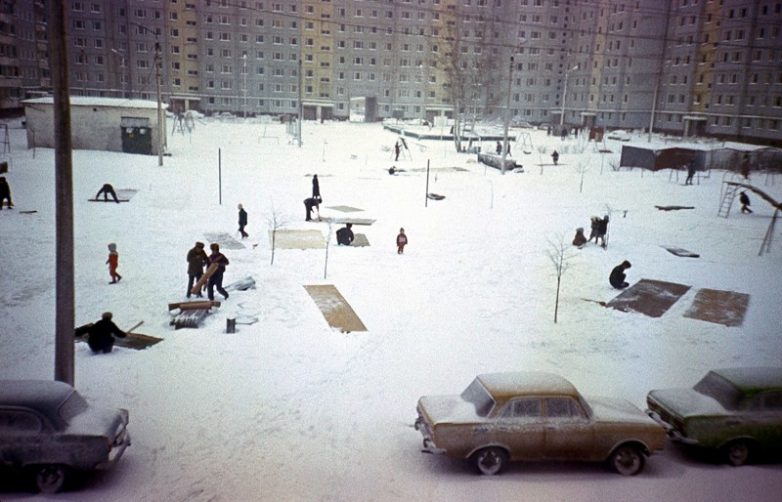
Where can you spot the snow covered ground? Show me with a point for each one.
(290, 409)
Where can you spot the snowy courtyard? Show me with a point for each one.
(289, 408)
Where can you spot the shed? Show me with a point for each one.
(113, 124)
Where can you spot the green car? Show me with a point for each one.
(735, 411)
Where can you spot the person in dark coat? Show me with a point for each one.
(555, 157)
(499, 148)
(196, 260)
(690, 172)
(242, 221)
(397, 149)
(107, 190)
(310, 204)
(602, 230)
(345, 235)
(101, 334)
(216, 279)
(5, 193)
(744, 199)
(315, 187)
(617, 277)
(580, 239)
(401, 241)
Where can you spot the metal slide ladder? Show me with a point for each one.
(728, 194)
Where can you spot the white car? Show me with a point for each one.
(619, 135)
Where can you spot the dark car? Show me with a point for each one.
(734, 411)
(48, 430)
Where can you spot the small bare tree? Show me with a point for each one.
(276, 221)
(559, 253)
(582, 169)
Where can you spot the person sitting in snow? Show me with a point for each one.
(617, 277)
(580, 239)
(101, 334)
(345, 235)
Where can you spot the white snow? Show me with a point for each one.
(290, 409)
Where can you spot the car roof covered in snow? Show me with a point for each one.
(506, 385)
(45, 396)
(750, 380)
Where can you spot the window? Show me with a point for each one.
(562, 407)
(526, 407)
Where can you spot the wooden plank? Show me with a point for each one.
(200, 284)
(336, 310)
(194, 305)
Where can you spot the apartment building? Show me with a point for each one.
(693, 67)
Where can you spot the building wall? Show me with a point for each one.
(92, 127)
(714, 64)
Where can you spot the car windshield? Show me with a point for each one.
(479, 397)
(72, 406)
(719, 389)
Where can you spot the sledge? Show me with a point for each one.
(28, 211)
(435, 196)
(673, 208)
(190, 314)
(109, 200)
(681, 252)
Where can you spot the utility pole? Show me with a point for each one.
(507, 118)
(564, 97)
(244, 70)
(63, 180)
(301, 105)
(160, 127)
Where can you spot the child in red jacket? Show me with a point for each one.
(401, 241)
(113, 262)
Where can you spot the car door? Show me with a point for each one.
(769, 419)
(569, 430)
(519, 427)
(20, 436)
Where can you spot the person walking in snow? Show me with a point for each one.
(401, 241)
(555, 157)
(617, 277)
(498, 148)
(315, 187)
(107, 190)
(113, 262)
(744, 199)
(196, 261)
(101, 334)
(242, 221)
(216, 279)
(397, 149)
(5, 193)
(690, 172)
(602, 230)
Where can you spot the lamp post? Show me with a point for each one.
(564, 97)
(121, 54)
(507, 118)
(160, 127)
(244, 91)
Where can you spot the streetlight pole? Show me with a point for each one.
(507, 118)
(160, 127)
(564, 97)
(244, 70)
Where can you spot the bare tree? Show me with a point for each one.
(559, 253)
(276, 221)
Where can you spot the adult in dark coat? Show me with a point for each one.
(196, 260)
(5, 193)
(345, 235)
(216, 279)
(101, 334)
(744, 199)
(617, 277)
(242, 221)
(602, 230)
(310, 204)
(107, 190)
(315, 187)
(555, 157)
(690, 172)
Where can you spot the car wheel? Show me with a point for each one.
(490, 461)
(627, 460)
(50, 478)
(738, 452)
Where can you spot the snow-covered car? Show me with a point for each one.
(48, 430)
(503, 417)
(736, 412)
(619, 135)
